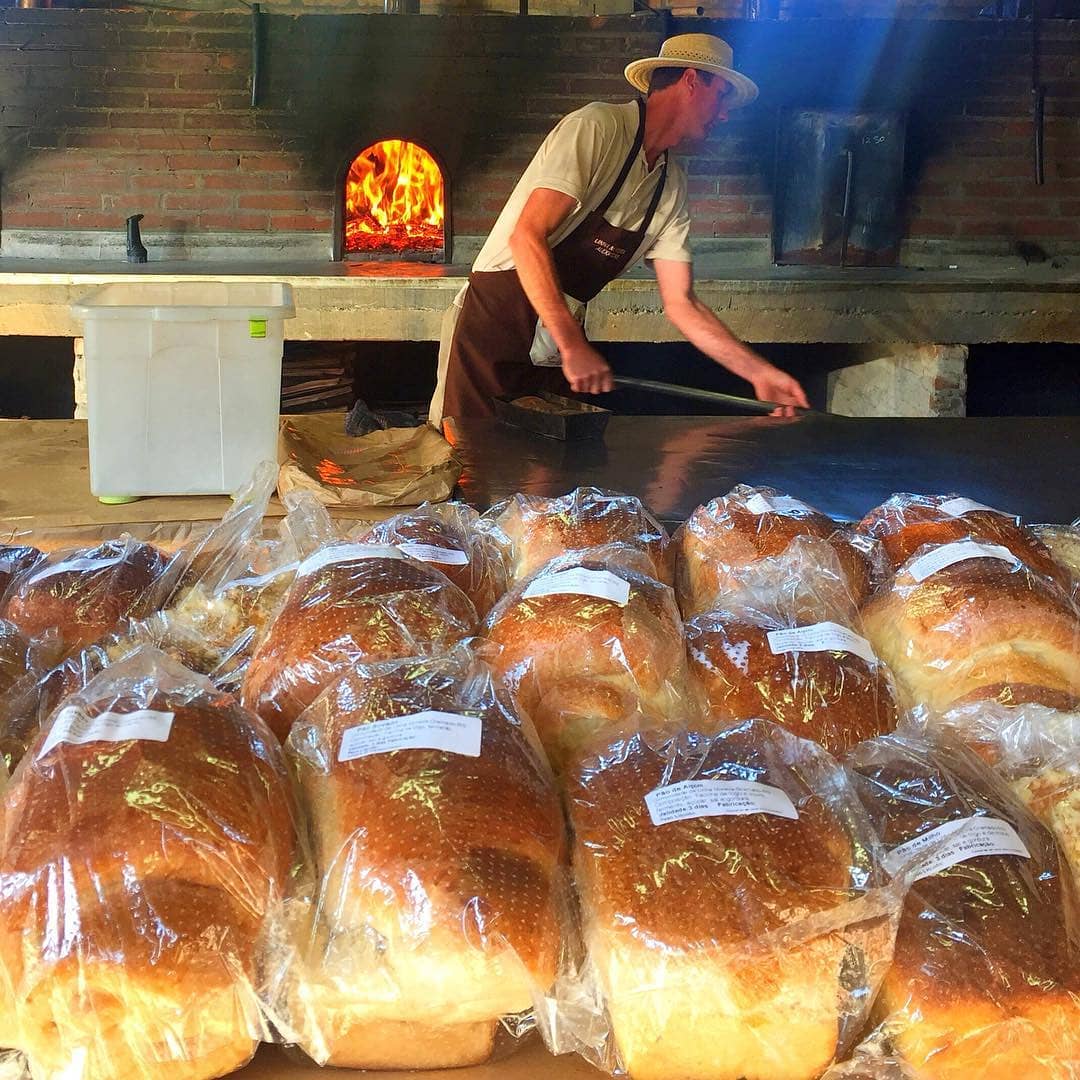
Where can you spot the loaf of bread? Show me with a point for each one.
(439, 848)
(72, 598)
(985, 980)
(1064, 544)
(539, 528)
(588, 642)
(904, 523)
(350, 603)
(722, 541)
(14, 560)
(18, 693)
(451, 538)
(728, 942)
(821, 682)
(148, 838)
(979, 628)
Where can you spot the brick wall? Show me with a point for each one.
(103, 114)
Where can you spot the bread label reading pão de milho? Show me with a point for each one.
(73, 725)
(976, 836)
(429, 730)
(578, 581)
(717, 798)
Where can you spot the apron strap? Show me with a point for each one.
(655, 202)
(628, 164)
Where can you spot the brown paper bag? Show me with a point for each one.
(396, 467)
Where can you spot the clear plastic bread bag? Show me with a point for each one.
(149, 842)
(722, 545)
(1064, 544)
(72, 597)
(450, 536)
(439, 850)
(985, 980)
(233, 587)
(588, 641)
(905, 522)
(1036, 751)
(820, 680)
(349, 603)
(736, 916)
(539, 528)
(967, 621)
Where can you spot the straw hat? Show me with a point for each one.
(702, 51)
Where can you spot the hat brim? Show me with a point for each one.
(744, 90)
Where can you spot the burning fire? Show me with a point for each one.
(394, 199)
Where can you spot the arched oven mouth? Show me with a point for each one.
(393, 203)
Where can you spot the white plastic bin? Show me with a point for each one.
(183, 383)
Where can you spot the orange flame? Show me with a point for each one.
(394, 199)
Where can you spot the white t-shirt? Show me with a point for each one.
(581, 157)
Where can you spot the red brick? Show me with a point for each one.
(95, 140)
(92, 219)
(147, 80)
(266, 143)
(164, 181)
(272, 202)
(144, 120)
(202, 200)
(203, 162)
(1056, 227)
(34, 219)
(931, 227)
(301, 222)
(248, 222)
(181, 62)
(270, 162)
(232, 181)
(213, 81)
(87, 180)
(110, 99)
(67, 200)
(184, 99)
(171, 140)
(230, 61)
(219, 121)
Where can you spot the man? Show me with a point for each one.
(599, 194)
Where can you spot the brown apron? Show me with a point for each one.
(489, 353)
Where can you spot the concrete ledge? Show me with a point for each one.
(405, 302)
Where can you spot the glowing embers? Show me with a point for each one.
(394, 201)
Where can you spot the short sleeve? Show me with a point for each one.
(571, 156)
(674, 241)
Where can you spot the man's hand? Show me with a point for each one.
(772, 384)
(586, 370)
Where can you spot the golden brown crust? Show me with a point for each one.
(483, 579)
(83, 604)
(138, 878)
(722, 537)
(905, 523)
(356, 610)
(978, 626)
(541, 529)
(834, 698)
(706, 881)
(980, 944)
(576, 663)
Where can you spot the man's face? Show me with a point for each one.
(708, 107)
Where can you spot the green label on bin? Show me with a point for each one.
(257, 327)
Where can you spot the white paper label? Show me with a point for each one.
(430, 553)
(336, 553)
(72, 725)
(821, 637)
(980, 836)
(956, 507)
(578, 581)
(958, 551)
(861, 543)
(67, 566)
(778, 504)
(717, 798)
(431, 730)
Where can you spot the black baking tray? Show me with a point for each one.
(584, 422)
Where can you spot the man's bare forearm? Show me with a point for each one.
(703, 329)
(540, 280)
